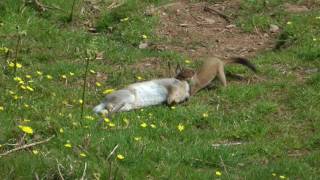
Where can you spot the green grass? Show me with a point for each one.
(275, 116)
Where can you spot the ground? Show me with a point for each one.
(265, 126)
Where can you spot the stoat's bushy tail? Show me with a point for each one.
(243, 61)
(99, 108)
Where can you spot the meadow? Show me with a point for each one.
(48, 59)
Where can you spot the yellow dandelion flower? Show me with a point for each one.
(153, 126)
(39, 73)
(126, 120)
(71, 73)
(111, 124)
(274, 174)
(92, 71)
(108, 91)
(26, 105)
(49, 77)
(144, 125)
(17, 79)
(80, 101)
(23, 87)
(124, 19)
(98, 84)
(187, 61)
(12, 65)
(218, 173)
(61, 130)
(205, 115)
(180, 127)
(89, 117)
(107, 120)
(74, 124)
(26, 120)
(120, 157)
(35, 152)
(19, 65)
(68, 145)
(26, 129)
(63, 76)
(139, 77)
(1, 108)
(11, 92)
(289, 23)
(144, 36)
(83, 155)
(3, 49)
(282, 177)
(30, 88)
(15, 97)
(137, 138)
(28, 76)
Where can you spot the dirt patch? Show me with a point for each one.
(193, 30)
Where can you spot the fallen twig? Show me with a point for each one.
(112, 152)
(227, 144)
(225, 17)
(60, 174)
(27, 146)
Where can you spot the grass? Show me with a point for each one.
(276, 116)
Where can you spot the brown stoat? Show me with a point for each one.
(211, 68)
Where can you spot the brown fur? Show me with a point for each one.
(211, 68)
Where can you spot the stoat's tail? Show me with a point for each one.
(99, 108)
(243, 61)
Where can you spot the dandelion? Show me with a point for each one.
(218, 173)
(108, 91)
(98, 84)
(187, 61)
(26, 129)
(35, 152)
(15, 97)
(4, 49)
(1, 108)
(64, 76)
(68, 145)
(49, 77)
(111, 124)
(126, 120)
(11, 92)
(92, 71)
(30, 88)
(83, 155)
(139, 78)
(144, 125)
(26, 120)
(144, 36)
(28, 76)
(80, 101)
(137, 138)
(39, 73)
(153, 126)
(282, 177)
(289, 23)
(180, 127)
(124, 19)
(89, 117)
(18, 65)
(26, 105)
(71, 73)
(205, 115)
(173, 107)
(120, 157)
(61, 130)
(18, 79)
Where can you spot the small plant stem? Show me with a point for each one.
(17, 50)
(84, 85)
(71, 13)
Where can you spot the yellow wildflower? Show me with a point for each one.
(108, 91)
(26, 129)
(314, 39)
(61, 130)
(274, 174)
(15, 97)
(89, 117)
(218, 173)
(98, 84)
(153, 126)
(28, 76)
(49, 77)
(18, 65)
(173, 107)
(289, 23)
(30, 88)
(83, 155)
(144, 36)
(68, 145)
(187, 61)
(124, 19)
(11, 92)
(0, 145)
(107, 120)
(71, 73)
(282, 177)
(3, 49)
(26, 120)
(35, 152)
(139, 77)
(144, 125)
(39, 73)
(26, 105)
(120, 156)
(80, 101)
(126, 120)
(23, 87)
(92, 71)
(1, 108)
(64, 76)
(111, 124)
(205, 115)
(180, 127)
(137, 138)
